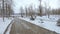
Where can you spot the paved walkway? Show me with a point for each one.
(23, 27)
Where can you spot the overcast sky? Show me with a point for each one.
(22, 3)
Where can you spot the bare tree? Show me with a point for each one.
(26, 11)
(31, 13)
(47, 10)
(3, 9)
(5, 4)
(40, 8)
(21, 10)
(8, 8)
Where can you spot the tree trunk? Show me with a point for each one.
(3, 9)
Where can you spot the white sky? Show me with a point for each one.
(22, 3)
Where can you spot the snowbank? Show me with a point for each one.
(3, 25)
(49, 23)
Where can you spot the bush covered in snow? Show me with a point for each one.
(58, 22)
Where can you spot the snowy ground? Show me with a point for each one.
(3, 25)
(49, 23)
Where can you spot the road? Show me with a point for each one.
(23, 27)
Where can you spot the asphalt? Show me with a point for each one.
(20, 26)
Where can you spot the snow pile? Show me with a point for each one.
(49, 23)
(3, 25)
(51, 18)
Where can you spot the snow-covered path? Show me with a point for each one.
(3, 25)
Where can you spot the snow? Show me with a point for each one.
(3, 25)
(9, 29)
(49, 23)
